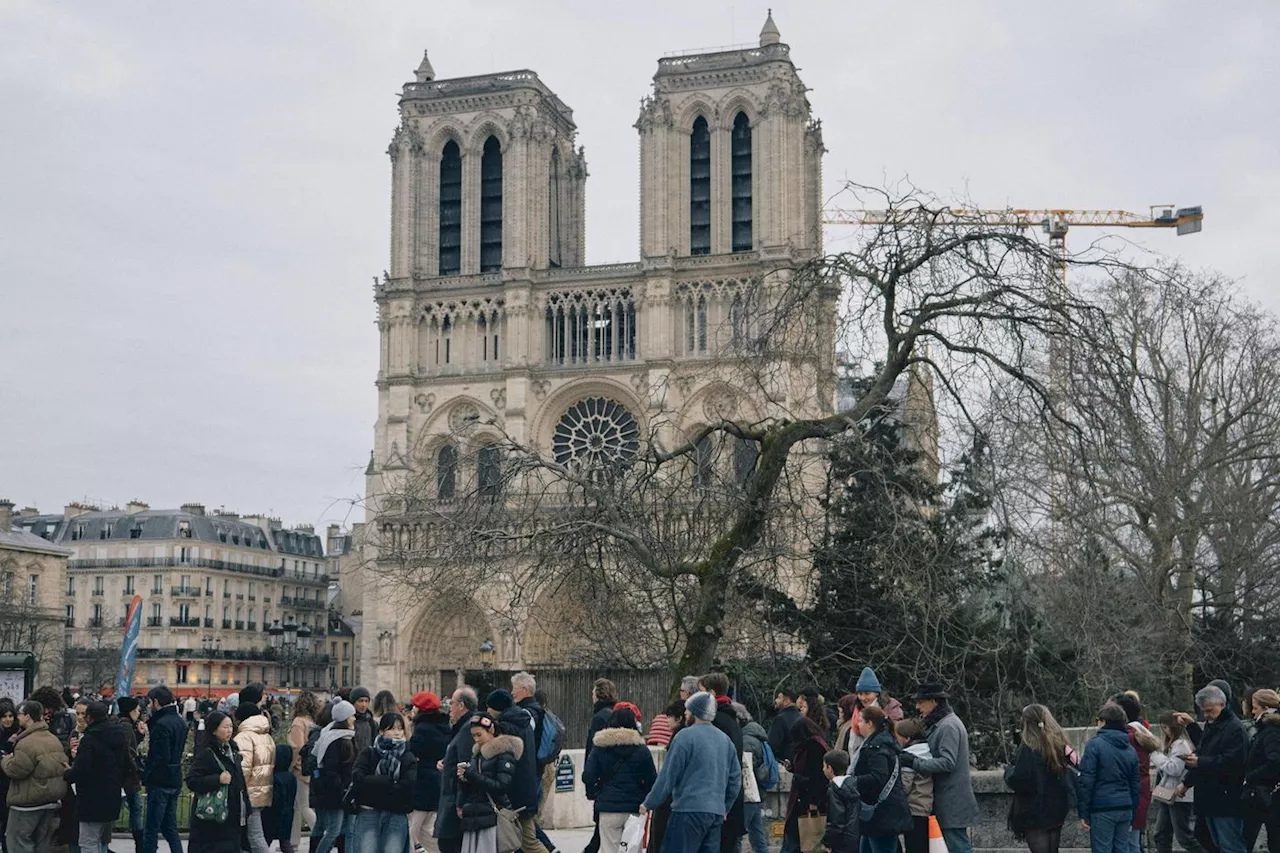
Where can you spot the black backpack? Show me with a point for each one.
(310, 763)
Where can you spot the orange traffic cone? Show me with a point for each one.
(936, 844)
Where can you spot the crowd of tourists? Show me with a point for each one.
(472, 775)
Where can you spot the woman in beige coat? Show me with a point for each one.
(258, 763)
(305, 711)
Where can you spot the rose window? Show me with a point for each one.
(596, 433)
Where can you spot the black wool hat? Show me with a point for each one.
(126, 705)
(358, 693)
(930, 690)
(499, 700)
(251, 694)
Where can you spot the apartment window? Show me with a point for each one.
(182, 674)
(700, 188)
(71, 615)
(77, 532)
(208, 587)
(135, 531)
(97, 614)
(185, 583)
(226, 614)
(345, 680)
(491, 206)
(450, 209)
(333, 650)
(97, 585)
(184, 612)
(226, 588)
(157, 584)
(71, 586)
(155, 611)
(740, 163)
(105, 532)
(33, 589)
(184, 555)
(345, 649)
(128, 584)
(8, 585)
(252, 597)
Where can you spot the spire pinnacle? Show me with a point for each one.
(425, 73)
(769, 33)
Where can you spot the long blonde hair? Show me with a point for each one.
(1041, 733)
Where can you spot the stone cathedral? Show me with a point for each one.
(490, 315)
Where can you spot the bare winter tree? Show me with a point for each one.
(684, 537)
(26, 625)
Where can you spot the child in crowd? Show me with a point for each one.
(277, 819)
(910, 736)
(843, 804)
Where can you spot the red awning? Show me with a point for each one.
(203, 691)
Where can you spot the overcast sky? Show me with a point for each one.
(194, 197)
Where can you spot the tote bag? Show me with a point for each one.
(510, 836)
(812, 827)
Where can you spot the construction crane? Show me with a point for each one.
(1054, 222)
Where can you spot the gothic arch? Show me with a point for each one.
(698, 106)
(446, 636)
(546, 642)
(442, 133)
(717, 399)
(548, 414)
(444, 421)
(738, 101)
(484, 126)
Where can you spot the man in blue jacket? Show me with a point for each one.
(162, 773)
(703, 775)
(1108, 790)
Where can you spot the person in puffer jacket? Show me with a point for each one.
(382, 783)
(258, 763)
(844, 805)
(1108, 786)
(618, 775)
(484, 781)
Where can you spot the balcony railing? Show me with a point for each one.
(253, 626)
(71, 622)
(157, 590)
(239, 624)
(96, 623)
(154, 621)
(169, 562)
(239, 596)
(226, 624)
(226, 594)
(127, 592)
(97, 592)
(179, 622)
(208, 623)
(186, 591)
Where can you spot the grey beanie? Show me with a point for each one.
(702, 706)
(343, 711)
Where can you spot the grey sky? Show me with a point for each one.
(194, 197)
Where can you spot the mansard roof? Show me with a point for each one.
(152, 525)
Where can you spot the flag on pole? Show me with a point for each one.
(128, 652)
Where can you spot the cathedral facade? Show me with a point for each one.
(491, 319)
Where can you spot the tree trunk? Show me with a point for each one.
(706, 629)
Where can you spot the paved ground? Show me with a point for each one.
(566, 841)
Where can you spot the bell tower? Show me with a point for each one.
(485, 177)
(730, 157)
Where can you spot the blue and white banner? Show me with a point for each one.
(128, 651)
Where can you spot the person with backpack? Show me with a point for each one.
(303, 730)
(617, 776)
(524, 690)
(1041, 780)
(382, 788)
(277, 821)
(523, 791)
(333, 757)
(755, 742)
(550, 746)
(428, 744)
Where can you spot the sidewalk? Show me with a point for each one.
(566, 841)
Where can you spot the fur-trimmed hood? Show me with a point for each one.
(1268, 718)
(617, 737)
(499, 745)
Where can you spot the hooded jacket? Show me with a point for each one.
(523, 793)
(1108, 774)
(843, 833)
(1221, 751)
(876, 760)
(620, 772)
(257, 758)
(166, 739)
(735, 823)
(98, 771)
(374, 790)
(489, 777)
(277, 821)
(1262, 767)
(36, 768)
(430, 739)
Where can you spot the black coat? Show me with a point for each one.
(166, 740)
(333, 774)
(98, 771)
(780, 732)
(366, 729)
(1221, 750)
(202, 778)
(277, 821)
(490, 777)
(430, 739)
(1039, 796)
(620, 772)
(808, 782)
(384, 793)
(448, 825)
(539, 720)
(843, 833)
(876, 760)
(600, 719)
(1262, 767)
(133, 772)
(735, 824)
(526, 785)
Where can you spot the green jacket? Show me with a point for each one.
(36, 768)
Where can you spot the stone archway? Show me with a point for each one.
(445, 640)
(546, 637)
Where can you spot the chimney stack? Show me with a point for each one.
(136, 506)
(6, 515)
(193, 509)
(74, 510)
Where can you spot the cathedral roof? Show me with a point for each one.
(485, 84)
(769, 34)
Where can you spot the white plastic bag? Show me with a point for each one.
(632, 835)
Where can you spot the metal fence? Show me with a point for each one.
(568, 693)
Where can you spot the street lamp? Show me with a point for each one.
(290, 643)
(487, 654)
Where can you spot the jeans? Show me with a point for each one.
(1135, 840)
(878, 844)
(753, 814)
(381, 832)
(330, 823)
(162, 819)
(957, 839)
(134, 802)
(1228, 833)
(30, 832)
(1109, 831)
(693, 832)
(253, 829)
(94, 836)
(1173, 820)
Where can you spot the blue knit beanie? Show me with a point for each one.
(867, 682)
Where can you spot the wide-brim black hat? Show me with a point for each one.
(929, 690)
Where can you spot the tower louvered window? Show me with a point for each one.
(741, 166)
(700, 188)
(450, 209)
(491, 206)
(554, 254)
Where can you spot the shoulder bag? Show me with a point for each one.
(510, 835)
(866, 811)
(214, 806)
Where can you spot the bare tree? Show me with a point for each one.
(27, 625)
(682, 538)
